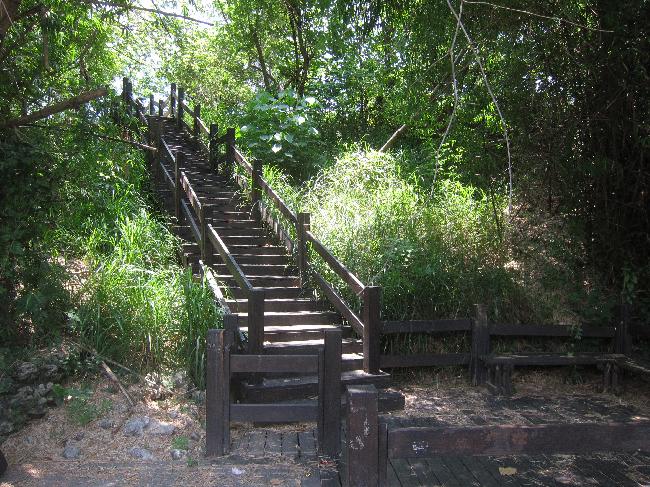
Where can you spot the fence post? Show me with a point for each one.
(480, 345)
(206, 245)
(361, 441)
(622, 341)
(329, 396)
(303, 225)
(152, 109)
(371, 329)
(256, 298)
(197, 116)
(230, 149)
(212, 147)
(217, 393)
(161, 106)
(172, 101)
(256, 189)
(181, 97)
(178, 163)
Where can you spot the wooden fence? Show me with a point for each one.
(370, 443)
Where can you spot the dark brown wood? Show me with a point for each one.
(361, 442)
(426, 326)
(382, 447)
(152, 107)
(228, 259)
(256, 320)
(348, 277)
(178, 163)
(586, 331)
(307, 364)
(273, 413)
(302, 227)
(330, 397)
(186, 214)
(338, 303)
(206, 247)
(480, 345)
(180, 101)
(371, 329)
(214, 395)
(161, 108)
(279, 202)
(256, 189)
(276, 227)
(550, 359)
(424, 360)
(622, 340)
(238, 157)
(640, 330)
(518, 439)
(172, 101)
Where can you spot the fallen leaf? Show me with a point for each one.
(275, 482)
(507, 470)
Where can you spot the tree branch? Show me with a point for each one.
(61, 106)
(393, 138)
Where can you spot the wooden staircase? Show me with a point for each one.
(294, 319)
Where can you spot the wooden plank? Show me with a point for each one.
(480, 346)
(273, 413)
(424, 360)
(302, 258)
(518, 440)
(194, 227)
(586, 331)
(276, 227)
(228, 259)
(551, 359)
(279, 202)
(426, 326)
(362, 436)
(255, 327)
(274, 363)
(307, 444)
(190, 193)
(242, 161)
(371, 329)
(216, 394)
(338, 302)
(330, 443)
(348, 277)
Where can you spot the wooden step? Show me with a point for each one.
(272, 318)
(259, 269)
(278, 305)
(273, 292)
(251, 240)
(284, 389)
(288, 333)
(262, 259)
(241, 232)
(233, 222)
(238, 250)
(349, 345)
(263, 281)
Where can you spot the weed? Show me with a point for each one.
(192, 462)
(181, 443)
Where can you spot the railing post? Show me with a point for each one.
(178, 190)
(181, 97)
(152, 109)
(622, 342)
(206, 245)
(371, 328)
(230, 149)
(197, 115)
(256, 189)
(361, 440)
(212, 146)
(125, 89)
(256, 298)
(480, 345)
(302, 226)
(161, 106)
(329, 395)
(217, 393)
(172, 101)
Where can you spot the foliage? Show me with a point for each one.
(280, 130)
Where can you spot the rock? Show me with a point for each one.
(25, 372)
(180, 379)
(106, 424)
(141, 453)
(198, 397)
(71, 452)
(177, 454)
(6, 427)
(37, 412)
(79, 436)
(135, 426)
(161, 428)
(173, 414)
(195, 436)
(51, 372)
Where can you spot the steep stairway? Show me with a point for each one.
(294, 320)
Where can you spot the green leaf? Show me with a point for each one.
(278, 136)
(299, 119)
(288, 138)
(276, 148)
